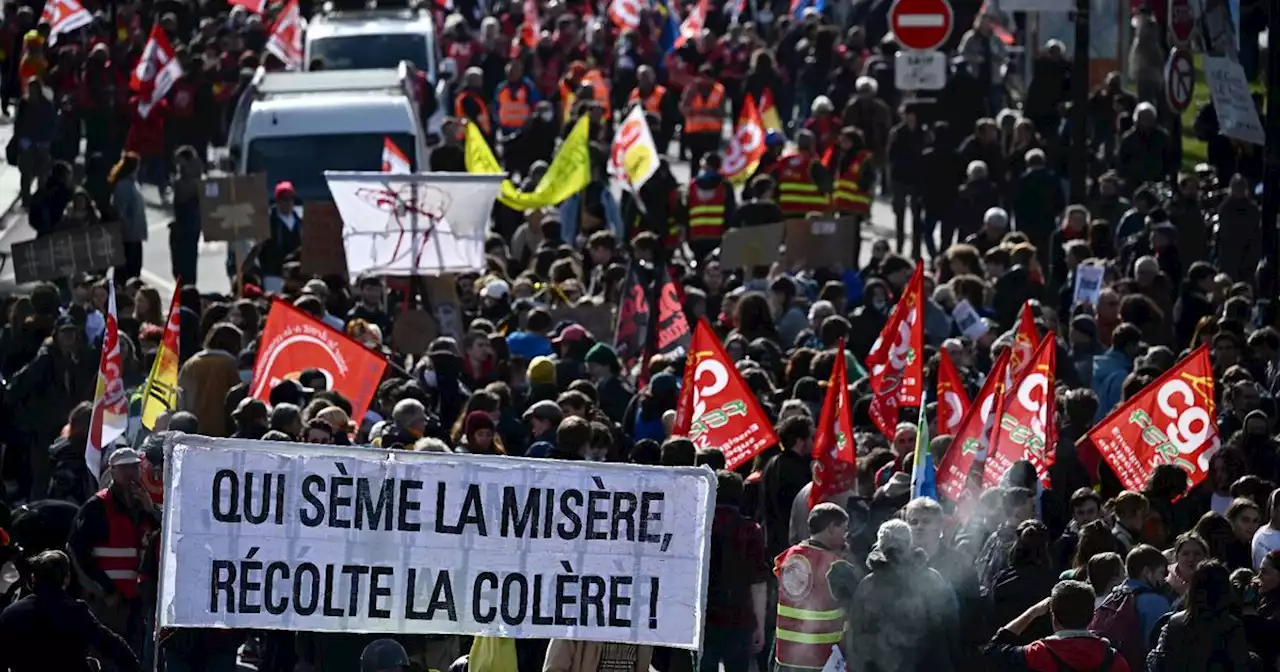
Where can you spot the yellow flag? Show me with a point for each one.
(569, 172)
(161, 391)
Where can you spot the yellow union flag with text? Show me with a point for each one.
(569, 172)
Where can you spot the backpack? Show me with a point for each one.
(1117, 620)
(1107, 659)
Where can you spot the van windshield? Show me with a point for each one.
(302, 160)
(364, 52)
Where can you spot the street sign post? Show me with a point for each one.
(1179, 79)
(1182, 21)
(920, 70)
(921, 25)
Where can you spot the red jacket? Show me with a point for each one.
(146, 136)
(182, 99)
(1080, 651)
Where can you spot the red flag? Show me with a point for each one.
(833, 449)
(1026, 429)
(971, 439)
(293, 341)
(110, 416)
(895, 362)
(1171, 421)
(693, 24)
(953, 401)
(716, 408)
(1025, 342)
(285, 39)
(156, 71)
(529, 29)
(746, 147)
(64, 16)
(255, 6)
(625, 14)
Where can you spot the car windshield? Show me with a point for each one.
(363, 52)
(302, 160)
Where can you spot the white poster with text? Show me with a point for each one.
(278, 536)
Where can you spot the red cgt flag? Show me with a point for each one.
(716, 408)
(896, 360)
(833, 449)
(293, 341)
(1025, 342)
(1171, 421)
(971, 439)
(953, 401)
(1026, 429)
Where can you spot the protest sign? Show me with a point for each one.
(322, 250)
(752, 246)
(281, 536)
(1229, 88)
(68, 253)
(822, 243)
(234, 208)
(968, 321)
(1088, 284)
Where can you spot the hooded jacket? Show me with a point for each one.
(1109, 371)
(1078, 649)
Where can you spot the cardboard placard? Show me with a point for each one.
(234, 207)
(414, 329)
(322, 250)
(753, 246)
(597, 318)
(68, 253)
(822, 243)
(413, 332)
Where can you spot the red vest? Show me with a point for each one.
(849, 195)
(810, 619)
(797, 194)
(120, 553)
(706, 211)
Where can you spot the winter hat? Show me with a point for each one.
(541, 371)
(603, 355)
(893, 542)
(476, 421)
(664, 384)
(1086, 325)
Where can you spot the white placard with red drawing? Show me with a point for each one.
(425, 224)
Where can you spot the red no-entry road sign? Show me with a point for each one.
(922, 25)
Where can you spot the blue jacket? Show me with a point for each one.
(1109, 371)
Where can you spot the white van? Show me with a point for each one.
(366, 39)
(296, 125)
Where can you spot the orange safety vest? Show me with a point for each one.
(599, 90)
(120, 554)
(810, 619)
(699, 118)
(849, 196)
(513, 108)
(650, 103)
(486, 125)
(797, 194)
(706, 212)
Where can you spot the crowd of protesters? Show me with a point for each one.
(1081, 574)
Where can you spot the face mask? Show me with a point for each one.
(246, 376)
(429, 378)
(878, 304)
(545, 116)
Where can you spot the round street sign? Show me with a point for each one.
(922, 25)
(1182, 21)
(1179, 79)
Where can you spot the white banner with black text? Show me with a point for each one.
(262, 535)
